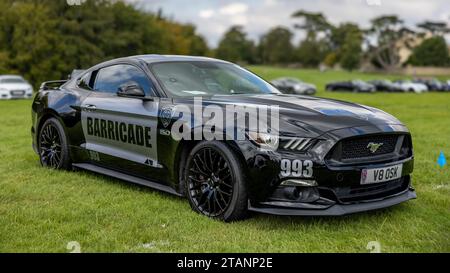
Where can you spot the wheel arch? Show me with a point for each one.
(183, 150)
(46, 115)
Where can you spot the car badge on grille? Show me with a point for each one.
(373, 147)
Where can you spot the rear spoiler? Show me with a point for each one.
(51, 85)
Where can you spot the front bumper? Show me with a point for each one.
(339, 192)
(10, 96)
(336, 209)
(335, 187)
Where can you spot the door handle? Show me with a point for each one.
(90, 108)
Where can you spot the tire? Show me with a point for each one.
(222, 194)
(52, 146)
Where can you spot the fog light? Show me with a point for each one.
(299, 183)
(301, 194)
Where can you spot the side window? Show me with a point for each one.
(109, 79)
(85, 82)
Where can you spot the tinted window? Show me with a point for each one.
(109, 79)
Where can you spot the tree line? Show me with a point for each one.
(345, 44)
(47, 39)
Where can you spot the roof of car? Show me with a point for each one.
(11, 76)
(156, 58)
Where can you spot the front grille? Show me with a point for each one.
(17, 93)
(360, 147)
(360, 150)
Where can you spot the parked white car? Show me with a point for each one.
(409, 86)
(14, 87)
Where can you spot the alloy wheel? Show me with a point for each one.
(50, 146)
(210, 182)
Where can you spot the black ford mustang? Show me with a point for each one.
(326, 157)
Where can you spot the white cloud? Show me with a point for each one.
(233, 9)
(239, 20)
(270, 3)
(206, 13)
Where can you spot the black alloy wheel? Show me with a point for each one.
(214, 182)
(53, 150)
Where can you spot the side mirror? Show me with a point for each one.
(131, 90)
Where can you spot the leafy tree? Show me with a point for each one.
(436, 28)
(313, 23)
(346, 41)
(316, 46)
(339, 34)
(350, 55)
(431, 52)
(311, 53)
(330, 59)
(47, 39)
(235, 46)
(276, 46)
(384, 39)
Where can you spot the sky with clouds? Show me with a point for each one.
(214, 17)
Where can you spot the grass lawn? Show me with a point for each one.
(42, 210)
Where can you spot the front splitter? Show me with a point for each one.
(339, 209)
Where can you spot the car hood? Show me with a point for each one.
(313, 116)
(14, 86)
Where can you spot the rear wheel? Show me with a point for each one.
(53, 148)
(214, 182)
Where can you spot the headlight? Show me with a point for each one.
(264, 140)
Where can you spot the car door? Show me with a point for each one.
(120, 132)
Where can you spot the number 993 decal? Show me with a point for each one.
(296, 168)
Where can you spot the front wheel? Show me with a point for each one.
(53, 148)
(214, 182)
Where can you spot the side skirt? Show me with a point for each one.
(126, 177)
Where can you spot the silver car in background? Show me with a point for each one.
(294, 86)
(409, 86)
(14, 87)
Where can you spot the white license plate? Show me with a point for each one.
(17, 93)
(379, 175)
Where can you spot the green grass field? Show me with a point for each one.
(43, 210)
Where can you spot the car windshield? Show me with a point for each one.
(12, 80)
(200, 78)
